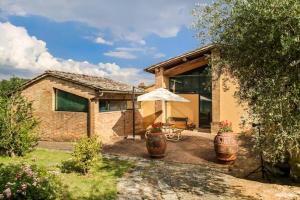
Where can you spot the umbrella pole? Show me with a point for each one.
(133, 113)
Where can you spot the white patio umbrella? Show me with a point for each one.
(162, 94)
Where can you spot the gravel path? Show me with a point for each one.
(160, 180)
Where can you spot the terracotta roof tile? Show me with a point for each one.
(95, 82)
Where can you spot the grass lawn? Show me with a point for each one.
(99, 183)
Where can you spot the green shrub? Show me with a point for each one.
(17, 126)
(85, 155)
(24, 181)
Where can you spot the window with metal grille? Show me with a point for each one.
(117, 105)
(65, 101)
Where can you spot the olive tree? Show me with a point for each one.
(259, 44)
(9, 86)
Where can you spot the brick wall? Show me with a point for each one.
(70, 126)
(116, 124)
(57, 125)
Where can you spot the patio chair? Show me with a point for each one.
(174, 127)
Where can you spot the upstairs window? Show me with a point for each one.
(65, 101)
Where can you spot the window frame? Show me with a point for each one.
(56, 107)
(197, 75)
(116, 100)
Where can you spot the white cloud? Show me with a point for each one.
(130, 20)
(121, 54)
(130, 49)
(159, 55)
(20, 52)
(130, 52)
(101, 40)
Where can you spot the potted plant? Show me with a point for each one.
(156, 142)
(225, 143)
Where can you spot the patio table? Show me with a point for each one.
(167, 127)
(171, 133)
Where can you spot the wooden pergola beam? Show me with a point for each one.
(187, 66)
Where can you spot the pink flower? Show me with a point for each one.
(55, 173)
(7, 192)
(8, 184)
(23, 186)
(18, 175)
(28, 170)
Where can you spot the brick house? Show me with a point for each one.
(70, 106)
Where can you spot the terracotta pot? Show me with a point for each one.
(156, 144)
(226, 146)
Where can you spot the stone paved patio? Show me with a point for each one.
(166, 180)
(195, 148)
(160, 180)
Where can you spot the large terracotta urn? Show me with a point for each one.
(226, 146)
(156, 144)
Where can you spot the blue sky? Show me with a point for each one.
(105, 38)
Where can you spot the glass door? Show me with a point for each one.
(205, 111)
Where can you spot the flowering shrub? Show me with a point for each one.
(85, 155)
(156, 127)
(225, 126)
(24, 181)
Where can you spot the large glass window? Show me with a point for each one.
(197, 81)
(65, 101)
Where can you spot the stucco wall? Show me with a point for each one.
(224, 105)
(56, 125)
(189, 109)
(230, 108)
(148, 113)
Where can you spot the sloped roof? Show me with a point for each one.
(180, 58)
(94, 82)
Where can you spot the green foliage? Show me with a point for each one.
(100, 183)
(7, 87)
(225, 127)
(17, 125)
(259, 44)
(156, 127)
(23, 181)
(85, 155)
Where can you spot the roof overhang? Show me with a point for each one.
(98, 89)
(181, 59)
